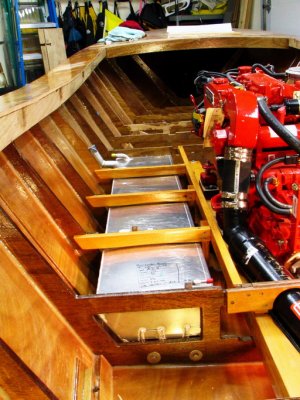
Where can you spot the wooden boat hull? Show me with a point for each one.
(123, 99)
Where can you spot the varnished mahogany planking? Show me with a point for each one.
(137, 102)
(97, 112)
(22, 109)
(58, 157)
(76, 135)
(80, 113)
(27, 386)
(156, 99)
(21, 202)
(37, 333)
(72, 147)
(108, 99)
(58, 213)
(120, 81)
(114, 90)
(58, 175)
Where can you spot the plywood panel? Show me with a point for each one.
(52, 46)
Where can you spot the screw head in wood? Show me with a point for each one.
(195, 355)
(154, 357)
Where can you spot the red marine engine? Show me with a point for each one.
(251, 118)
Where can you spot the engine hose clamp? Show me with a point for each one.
(229, 195)
(240, 196)
(234, 205)
(234, 200)
(231, 204)
(238, 154)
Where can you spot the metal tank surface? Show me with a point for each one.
(151, 268)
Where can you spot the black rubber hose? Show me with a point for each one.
(281, 75)
(286, 313)
(233, 80)
(264, 199)
(278, 128)
(248, 251)
(270, 205)
(209, 74)
(269, 195)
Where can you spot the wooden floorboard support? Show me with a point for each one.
(118, 240)
(138, 172)
(126, 199)
(281, 357)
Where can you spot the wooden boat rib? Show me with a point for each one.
(53, 343)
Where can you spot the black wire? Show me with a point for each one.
(270, 196)
(264, 199)
(269, 72)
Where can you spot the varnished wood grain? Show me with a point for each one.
(142, 238)
(84, 113)
(151, 140)
(140, 80)
(32, 151)
(136, 172)
(36, 332)
(172, 127)
(20, 110)
(76, 152)
(203, 382)
(104, 94)
(118, 200)
(106, 380)
(281, 356)
(17, 381)
(52, 47)
(35, 222)
(104, 72)
(257, 297)
(157, 41)
(83, 131)
(118, 78)
(104, 121)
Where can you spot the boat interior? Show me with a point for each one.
(93, 300)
